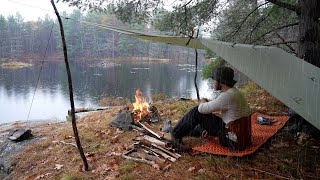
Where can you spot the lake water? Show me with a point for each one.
(91, 82)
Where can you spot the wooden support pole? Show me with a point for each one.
(196, 74)
(74, 125)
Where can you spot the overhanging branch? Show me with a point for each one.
(285, 5)
(245, 19)
(286, 42)
(275, 29)
(262, 19)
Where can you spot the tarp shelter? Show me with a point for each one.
(290, 79)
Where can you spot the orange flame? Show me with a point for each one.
(140, 107)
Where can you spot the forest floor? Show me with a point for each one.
(280, 158)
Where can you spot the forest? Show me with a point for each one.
(84, 35)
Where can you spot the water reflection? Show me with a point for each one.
(90, 84)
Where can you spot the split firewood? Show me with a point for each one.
(129, 151)
(150, 152)
(147, 143)
(155, 141)
(159, 152)
(166, 156)
(143, 155)
(147, 127)
(151, 140)
(136, 128)
(175, 155)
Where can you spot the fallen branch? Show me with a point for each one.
(79, 110)
(282, 177)
(133, 159)
(66, 143)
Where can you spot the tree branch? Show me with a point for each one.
(242, 22)
(275, 29)
(285, 5)
(286, 42)
(257, 25)
(288, 45)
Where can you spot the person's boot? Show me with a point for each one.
(178, 144)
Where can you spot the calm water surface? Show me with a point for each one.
(90, 83)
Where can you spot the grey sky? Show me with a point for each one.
(10, 7)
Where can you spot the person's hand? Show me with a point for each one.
(203, 100)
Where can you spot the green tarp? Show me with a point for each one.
(290, 79)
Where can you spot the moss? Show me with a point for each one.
(15, 65)
(129, 177)
(249, 88)
(3, 59)
(222, 162)
(127, 167)
(68, 177)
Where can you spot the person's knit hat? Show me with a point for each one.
(224, 75)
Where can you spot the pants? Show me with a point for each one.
(194, 123)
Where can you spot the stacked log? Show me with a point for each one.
(152, 151)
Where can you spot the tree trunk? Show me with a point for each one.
(309, 31)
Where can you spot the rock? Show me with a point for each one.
(167, 127)
(302, 137)
(123, 120)
(298, 124)
(20, 135)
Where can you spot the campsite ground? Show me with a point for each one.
(279, 158)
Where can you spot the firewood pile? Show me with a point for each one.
(154, 149)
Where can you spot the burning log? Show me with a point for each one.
(142, 110)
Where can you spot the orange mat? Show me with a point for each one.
(260, 135)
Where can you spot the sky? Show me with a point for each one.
(31, 9)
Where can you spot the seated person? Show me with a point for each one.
(234, 125)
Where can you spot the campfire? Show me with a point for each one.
(153, 147)
(142, 110)
(140, 107)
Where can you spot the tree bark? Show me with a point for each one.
(74, 125)
(309, 31)
(286, 5)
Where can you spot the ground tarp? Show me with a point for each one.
(260, 135)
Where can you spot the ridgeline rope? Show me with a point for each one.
(40, 71)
